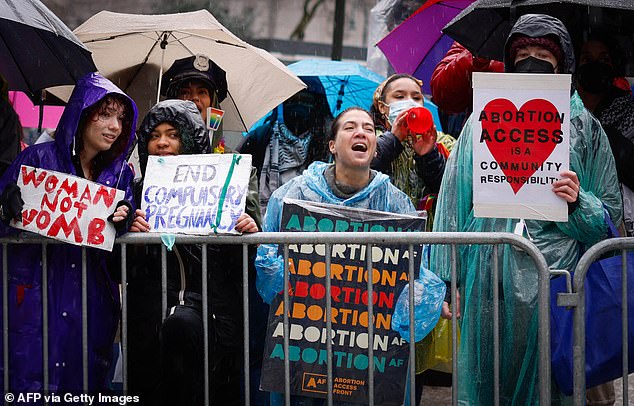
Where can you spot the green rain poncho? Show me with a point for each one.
(561, 244)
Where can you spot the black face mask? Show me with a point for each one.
(297, 111)
(595, 77)
(534, 65)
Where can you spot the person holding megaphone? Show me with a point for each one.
(408, 148)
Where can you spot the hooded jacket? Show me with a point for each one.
(184, 265)
(184, 262)
(64, 264)
(561, 244)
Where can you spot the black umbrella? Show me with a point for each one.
(37, 50)
(484, 26)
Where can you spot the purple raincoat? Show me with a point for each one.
(64, 272)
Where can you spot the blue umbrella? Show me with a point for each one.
(346, 84)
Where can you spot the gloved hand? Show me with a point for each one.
(11, 203)
(122, 222)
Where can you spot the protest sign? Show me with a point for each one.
(195, 194)
(349, 298)
(521, 143)
(67, 208)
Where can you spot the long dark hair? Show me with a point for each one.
(104, 158)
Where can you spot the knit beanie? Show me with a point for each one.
(548, 43)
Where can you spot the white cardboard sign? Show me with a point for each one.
(521, 144)
(67, 208)
(195, 194)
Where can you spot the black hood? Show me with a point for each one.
(185, 117)
(542, 25)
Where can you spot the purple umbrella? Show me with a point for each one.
(417, 44)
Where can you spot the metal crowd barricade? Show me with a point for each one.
(370, 239)
(576, 299)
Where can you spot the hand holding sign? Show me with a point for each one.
(139, 225)
(568, 187)
(11, 203)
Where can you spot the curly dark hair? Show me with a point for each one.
(104, 158)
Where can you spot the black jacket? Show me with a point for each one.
(429, 167)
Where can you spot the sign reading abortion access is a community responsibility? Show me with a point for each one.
(349, 298)
(521, 143)
(67, 208)
(195, 194)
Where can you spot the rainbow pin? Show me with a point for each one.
(214, 118)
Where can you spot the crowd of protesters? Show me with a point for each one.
(365, 159)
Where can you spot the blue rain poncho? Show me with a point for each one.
(381, 195)
(561, 244)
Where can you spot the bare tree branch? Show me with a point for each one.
(309, 11)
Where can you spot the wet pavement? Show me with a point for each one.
(439, 395)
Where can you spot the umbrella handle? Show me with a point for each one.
(160, 78)
(41, 113)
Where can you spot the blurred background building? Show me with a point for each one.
(289, 29)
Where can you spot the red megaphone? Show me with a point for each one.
(419, 120)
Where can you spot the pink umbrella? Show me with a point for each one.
(417, 45)
(29, 114)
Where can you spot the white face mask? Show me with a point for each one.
(399, 106)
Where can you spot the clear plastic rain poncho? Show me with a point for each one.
(381, 195)
(561, 244)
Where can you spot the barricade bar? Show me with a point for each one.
(124, 316)
(370, 287)
(245, 329)
(579, 343)
(496, 327)
(5, 319)
(412, 340)
(369, 239)
(205, 292)
(44, 285)
(84, 319)
(454, 327)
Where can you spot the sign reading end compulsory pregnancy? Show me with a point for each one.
(195, 194)
(67, 208)
(349, 298)
(521, 144)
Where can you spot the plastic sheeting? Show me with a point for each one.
(560, 243)
(378, 195)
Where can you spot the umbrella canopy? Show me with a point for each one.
(417, 44)
(30, 114)
(37, 50)
(133, 51)
(483, 27)
(346, 84)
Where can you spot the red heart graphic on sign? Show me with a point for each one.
(520, 140)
